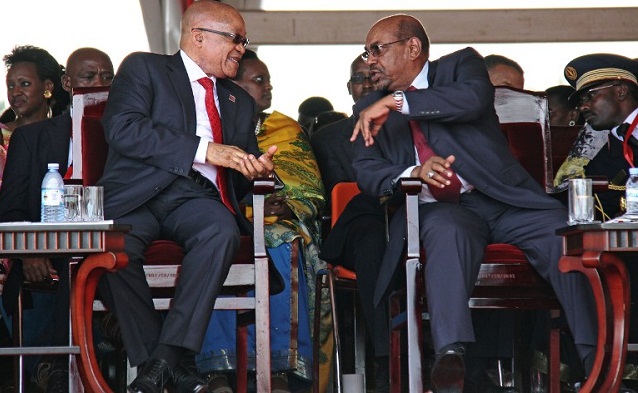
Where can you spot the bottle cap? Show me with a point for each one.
(633, 171)
(53, 165)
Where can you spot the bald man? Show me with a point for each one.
(32, 147)
(439, 124)
(504, 71)
(173, 171)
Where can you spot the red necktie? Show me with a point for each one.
(450, 193)
(69, 172)
(627, 151)
(216, 127)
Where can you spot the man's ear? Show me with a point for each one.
(66, 82)
(198, 37)
(622, 92)
(415, 47)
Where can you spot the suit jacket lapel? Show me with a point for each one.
(425, 126)
(179, 80)
(227, 109)
(402, 140)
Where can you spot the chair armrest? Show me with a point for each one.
(412, 187)
(261, 187)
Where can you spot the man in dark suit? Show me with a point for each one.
(331, 143)
(357, 240)
(32, 147)
(169, 175)
(440, 125)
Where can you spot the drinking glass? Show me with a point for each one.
(73, 202)
(93, 203)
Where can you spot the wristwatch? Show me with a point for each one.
(399, 97)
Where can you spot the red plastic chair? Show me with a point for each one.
(338, 278)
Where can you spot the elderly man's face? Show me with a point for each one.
(388, 57)
(219, 54)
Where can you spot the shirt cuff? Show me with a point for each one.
(406, 173)
(406, 107)
(200, 154)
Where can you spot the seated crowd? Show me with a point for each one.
(187, 134)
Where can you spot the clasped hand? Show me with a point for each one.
(235, 158)
(435, 171)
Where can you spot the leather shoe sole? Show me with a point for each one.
(448, 373)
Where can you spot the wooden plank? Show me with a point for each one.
(447, 26)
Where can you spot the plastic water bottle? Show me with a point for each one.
(632, 192)
(52, 200)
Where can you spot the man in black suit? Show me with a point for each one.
(440, 125)
(331, 143)
(32, 147)
(169, 175)
(357, 240)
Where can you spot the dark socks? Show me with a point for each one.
(170, 353)
(456, 347)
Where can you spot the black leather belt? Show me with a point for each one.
(201, 180)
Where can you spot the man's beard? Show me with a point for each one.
(382, 84)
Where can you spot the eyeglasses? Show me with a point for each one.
(359, 79)
(588, 95)
(237, 39)
(375, 49)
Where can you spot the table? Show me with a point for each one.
(595, 250)
(101, 243)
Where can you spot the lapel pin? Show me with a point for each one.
(231, 98)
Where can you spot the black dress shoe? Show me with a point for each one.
(187, 380)
(154, 375)
(448, 372)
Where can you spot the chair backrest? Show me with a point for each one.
(89, 145)
(563, 139)
(341, 194)
(524, 118)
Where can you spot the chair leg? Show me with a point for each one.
(242, 359)
(553, 364)
(335, 332)
(395, 345)
(319, 286)
(326, 274)
(414, 311)
(18, 341)
(360, 341)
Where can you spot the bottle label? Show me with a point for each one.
(52, 197)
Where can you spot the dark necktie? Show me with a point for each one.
(449, 193)
(216, 127)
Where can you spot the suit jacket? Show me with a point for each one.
(149, 124)
(333, 151)
(456, 113)
(32, 148)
